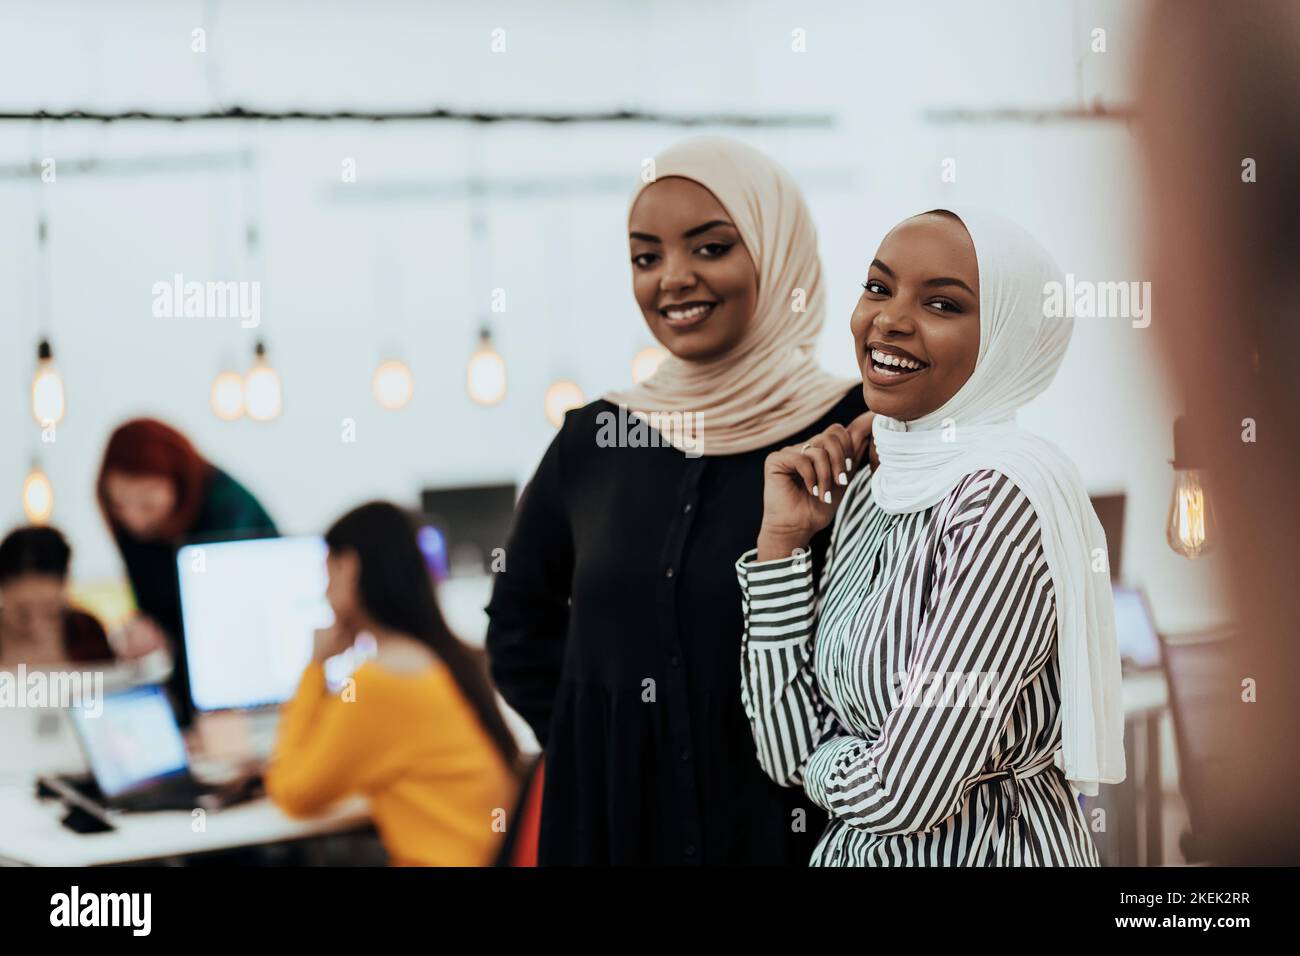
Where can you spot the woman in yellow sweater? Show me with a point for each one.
(394, 707)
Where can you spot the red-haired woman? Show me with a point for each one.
(156, 492)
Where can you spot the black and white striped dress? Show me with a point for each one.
(916, 698)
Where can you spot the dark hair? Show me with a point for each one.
(33, 550)
(396, 591)
(943, 212)
(146, 446)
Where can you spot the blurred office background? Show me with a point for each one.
(869, 104)
(402, 263)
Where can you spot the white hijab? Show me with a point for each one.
(921, 462)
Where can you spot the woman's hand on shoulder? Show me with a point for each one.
(804, 484)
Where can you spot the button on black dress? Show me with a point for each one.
(616, 633)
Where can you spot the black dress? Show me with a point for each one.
(615, 631)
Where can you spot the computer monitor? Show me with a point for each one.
(250, 610)
(133, 743)
(1135, 631)
(474, 521)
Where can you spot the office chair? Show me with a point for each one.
(519, 848)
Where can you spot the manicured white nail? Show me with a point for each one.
(848, 464)
(827, 497)
(844, 479)
(815, 494)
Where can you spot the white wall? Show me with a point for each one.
(347, 276)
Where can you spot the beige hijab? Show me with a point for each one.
(769, 386)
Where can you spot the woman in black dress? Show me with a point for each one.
(616, 626)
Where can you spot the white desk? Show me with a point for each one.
(1144, 692)
(30, 832)
(1146, 697)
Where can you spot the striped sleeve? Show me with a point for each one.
(778, 688)
(787, 715)
(989, 628)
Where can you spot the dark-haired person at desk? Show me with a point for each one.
(395, 708)
(38, 627)
(156, 492)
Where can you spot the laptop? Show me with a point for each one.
(136, 753)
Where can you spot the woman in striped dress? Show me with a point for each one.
(952, 682)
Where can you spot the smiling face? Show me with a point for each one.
(692, 276)
(916, 328)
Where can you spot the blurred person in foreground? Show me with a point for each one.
(1219, 85)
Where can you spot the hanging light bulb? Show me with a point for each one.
(1192, 529)
(263, 397)
(227, 396)
(392, 384)
(47, 388)
(561, 396)
(38, 496)
(646, 362)
(486, 376)
(1192, 525)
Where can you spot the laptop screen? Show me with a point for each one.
(1135, 632)
(134, 742)
(249, 611)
